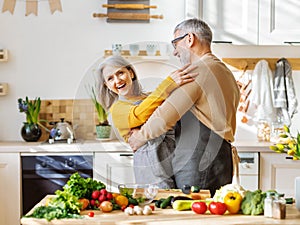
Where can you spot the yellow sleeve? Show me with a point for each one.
(125, 115)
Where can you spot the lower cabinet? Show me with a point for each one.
(113, 169)
(10, 203)
(279, 173)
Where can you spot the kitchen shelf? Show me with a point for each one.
(3, 55)
(249, 63)
(142, 55)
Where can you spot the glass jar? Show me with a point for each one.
(276, 130)
(279, 207)
(263, 130)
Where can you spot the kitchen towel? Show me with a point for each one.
(261, 100)
(284, 91)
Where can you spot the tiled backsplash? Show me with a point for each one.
(80, 112)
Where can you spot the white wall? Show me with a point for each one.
(49, 55)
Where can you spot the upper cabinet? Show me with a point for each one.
(279, 22)
(249, 22)
(231, 20)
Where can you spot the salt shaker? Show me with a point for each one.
(279, 207)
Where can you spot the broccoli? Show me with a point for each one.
(253, 203)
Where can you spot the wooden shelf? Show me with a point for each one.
(249, 63)
(142, 55)
(3, 55)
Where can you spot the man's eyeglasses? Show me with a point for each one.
(178, 39)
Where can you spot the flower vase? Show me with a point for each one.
(31, 132)
(103, 131)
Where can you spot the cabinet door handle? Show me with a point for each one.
(291, 42)
(222, 42)
(3, 165)
(288, 157)
(126, 154)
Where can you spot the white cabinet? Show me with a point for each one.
(231, 20)
(10, 189)
(114, 169)
(279, 21)
(279, 173)
(263, 22)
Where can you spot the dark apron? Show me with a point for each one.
(201, 157)
(153, 161)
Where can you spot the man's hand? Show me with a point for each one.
(135, 142)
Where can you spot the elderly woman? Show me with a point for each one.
(120, 92)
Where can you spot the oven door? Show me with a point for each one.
(44, 174)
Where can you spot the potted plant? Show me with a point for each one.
(103, 129)
(31, 130)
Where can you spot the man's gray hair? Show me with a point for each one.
(197, 27)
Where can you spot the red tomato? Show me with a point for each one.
(91, 214)
(95, 194)
(199, 207)
(102, 198)
(218, 208)
(103, 191)
(152, 207)
(106, 206)
(109, 196)
(92, 202)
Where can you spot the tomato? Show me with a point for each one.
(95, 194)
(106, 206)
(218, 208)
(199, 207)
(103, 192)
(84, 203)
(152, 207)
(233, 202)
(109, 196)
(91, 214)
(102, 198)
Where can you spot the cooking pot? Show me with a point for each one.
(62, 131)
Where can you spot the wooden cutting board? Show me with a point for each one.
(164, 193)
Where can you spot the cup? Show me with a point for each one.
(151, 49)
(164, 49)
(297, 192)
(116, 49)
(134, 49)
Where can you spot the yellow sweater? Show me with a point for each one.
(126, 115)
(213, 98)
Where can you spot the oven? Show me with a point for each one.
(249, 170)
(43, 174)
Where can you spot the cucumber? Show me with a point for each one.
(181, 205)
(158, 202)
(166, 202)
(195, 189)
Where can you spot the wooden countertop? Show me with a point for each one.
(167, 217)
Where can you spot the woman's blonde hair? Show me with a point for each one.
(107, 97)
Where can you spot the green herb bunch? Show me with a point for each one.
(31, 108)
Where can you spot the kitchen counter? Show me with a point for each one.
(167, 217)
(78, 146)
(103, 146)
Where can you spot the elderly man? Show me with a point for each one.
(204, 110)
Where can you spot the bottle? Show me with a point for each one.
(279, 207)
(268, 204)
